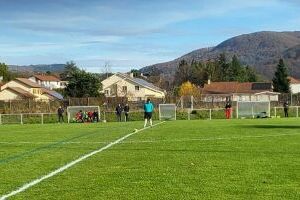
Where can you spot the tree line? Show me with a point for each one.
(218, 70)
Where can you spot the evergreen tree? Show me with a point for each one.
(281, 83)
(236, 70)
(83, 84)
(70, 68)
(223, 67)
(4, 73)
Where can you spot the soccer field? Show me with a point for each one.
(219, 159)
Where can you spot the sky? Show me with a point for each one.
(130, 34)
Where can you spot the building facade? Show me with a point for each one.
(135, 89)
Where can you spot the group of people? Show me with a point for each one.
(80, 117)
(148, 110)
(87, 116)
(119, 111)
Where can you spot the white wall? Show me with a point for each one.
(6, 95)
(295, 88)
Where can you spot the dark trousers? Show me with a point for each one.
(96, 118)
(286, 112)
(61, 118)
(126, 117)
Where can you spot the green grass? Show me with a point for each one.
(198, 159)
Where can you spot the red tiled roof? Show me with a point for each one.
(46, 78)
(235, 87)
(294, 80)
(20, 91)
(28, 82)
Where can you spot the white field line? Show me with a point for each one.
(65, 167)
(157, 141)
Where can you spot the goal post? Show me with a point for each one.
(253, 109)
(167, 111)
(76, 113)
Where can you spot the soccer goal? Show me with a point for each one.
(253, 109)
(167, 112)
(83, 114)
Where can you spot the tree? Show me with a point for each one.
(281, 83)
(223, 68)
(4, 73)
(70, 68)
(236, 70)
(183, 73)
(188, 89)
(83, 84)
(136, 73)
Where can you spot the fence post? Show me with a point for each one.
(21, 118)
(42, 118)
(237, 109)
(275, 112)
(0, 119)
(209, 114)
(189, 114)
(104, 118)
(297, 112)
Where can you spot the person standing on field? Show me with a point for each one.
(119, 110)
(148, 108)
(228, 110)
(286, 109)
(60, 113)
(126, 111)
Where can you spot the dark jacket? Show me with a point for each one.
(228, 106)
(126, 109)
(60, 111)
(119, 110)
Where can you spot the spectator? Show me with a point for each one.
(60, 113)
(126, 111)
(119, 112)
(95, 116)
(286, 109)
(228, 110)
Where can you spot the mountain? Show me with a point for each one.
(53, 68)
(260, 50)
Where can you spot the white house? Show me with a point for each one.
(124, 85)
(48, 81)
(22, 88)
(235, 91)
(294, 85)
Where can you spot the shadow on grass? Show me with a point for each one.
(273, 126)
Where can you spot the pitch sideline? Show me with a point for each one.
(67, 166)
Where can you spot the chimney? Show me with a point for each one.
(208, 82)
(131, 75)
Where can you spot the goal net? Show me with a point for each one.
(253, 109)
(167, 112)
(80, 114)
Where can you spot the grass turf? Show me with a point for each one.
(238, 159)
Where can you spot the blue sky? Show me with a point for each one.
(130, 33)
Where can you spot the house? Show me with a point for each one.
(124, 85)
(48, 81)
(294, 85)
(22, 88)
(235, 91)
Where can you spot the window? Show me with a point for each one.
(137, 88)
(106, 92)
(124, 89)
